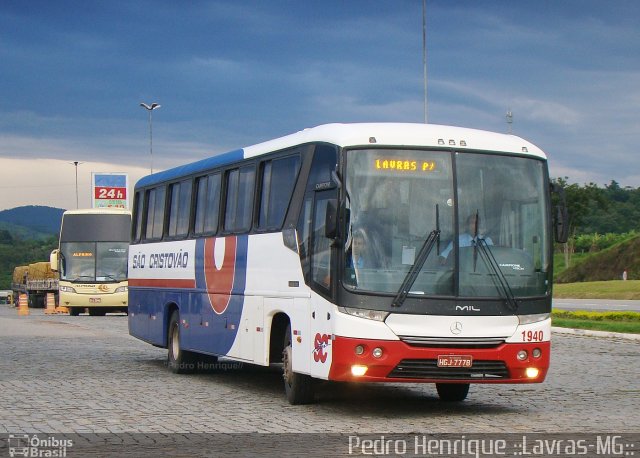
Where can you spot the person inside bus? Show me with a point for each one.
(362, 256)
(467, 238)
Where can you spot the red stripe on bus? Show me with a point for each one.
(162, 283)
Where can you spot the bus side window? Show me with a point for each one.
(155, 213)
(207, 204)
(278, 181)
(239, 204)
(150, 209)
(137, 210)
(180, 206)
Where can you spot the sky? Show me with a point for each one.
(232, 73)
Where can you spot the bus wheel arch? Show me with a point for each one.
(279, 324)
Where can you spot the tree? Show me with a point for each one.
(581, 202)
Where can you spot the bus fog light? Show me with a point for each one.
(523, 355)
(358, 370)
(377, 352)
(537, 353)
(532, 372)
(359, 349)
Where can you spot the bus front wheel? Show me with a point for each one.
(452, 392)
(179, 361)
(297, 387)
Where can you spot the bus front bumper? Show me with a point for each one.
(396, 362)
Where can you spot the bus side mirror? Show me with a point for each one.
(561, 216)
(561, 224)
(53, 260)
(331, 219)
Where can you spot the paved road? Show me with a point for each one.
(601, 305)
(85, 375)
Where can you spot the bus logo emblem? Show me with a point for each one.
(320, 345)
(456, 327)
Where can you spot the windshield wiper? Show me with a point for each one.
(490, 260)
(412, 275)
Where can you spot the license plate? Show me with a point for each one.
(455, 360)
(95, 300)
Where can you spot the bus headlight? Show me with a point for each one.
(67, 289)
(122, 289)
(376, 315)
(528, 319)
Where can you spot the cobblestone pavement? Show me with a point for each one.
(62, 374)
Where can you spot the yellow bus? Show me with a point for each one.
(92, 260)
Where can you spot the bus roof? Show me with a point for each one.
(363, 134)
(98, 211)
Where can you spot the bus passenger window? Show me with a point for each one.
(278, 180)
(180, 208)
(207, 204)
(239, 199)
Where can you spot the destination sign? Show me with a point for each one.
(404, 165)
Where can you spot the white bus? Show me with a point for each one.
(353, 252)
(92, 260)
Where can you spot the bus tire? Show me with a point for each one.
(179, 361)
(74, 311)
(452, 392)
(299, 388)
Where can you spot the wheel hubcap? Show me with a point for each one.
(286, 366)
(175, 342)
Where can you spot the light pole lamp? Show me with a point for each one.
(150, 109)
(76, 163)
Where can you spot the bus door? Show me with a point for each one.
(321, 277)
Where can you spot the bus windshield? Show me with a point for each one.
(488, 219)
(94, 261)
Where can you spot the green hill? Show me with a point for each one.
(607, 264)
(37, 219)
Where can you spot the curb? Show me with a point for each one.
(590, 333)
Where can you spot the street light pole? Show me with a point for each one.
(424, 54)
(76, 163)
(150, 109)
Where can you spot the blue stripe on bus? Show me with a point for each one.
(190, 169)
(220, 331)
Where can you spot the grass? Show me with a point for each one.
(613, 289)
(624, 322)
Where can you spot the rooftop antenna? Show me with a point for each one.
(509, 119)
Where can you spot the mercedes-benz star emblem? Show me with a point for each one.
(456, 327)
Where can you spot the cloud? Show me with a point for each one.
(52, 182)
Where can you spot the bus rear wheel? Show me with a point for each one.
(298, 388)
(179, 361)
(452, 392)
